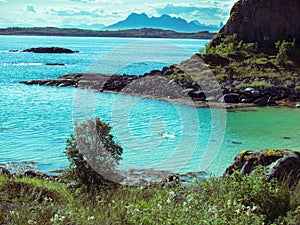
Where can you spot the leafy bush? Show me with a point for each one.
(93, 155)
(288, 53)
(230, 44)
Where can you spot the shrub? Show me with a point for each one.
(288, 53)
(93, 155)
(231, 44)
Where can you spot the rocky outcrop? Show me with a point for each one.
(55, 50)
(283, 165)
(158, 85)
(262, 21)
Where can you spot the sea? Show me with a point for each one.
(36, 121)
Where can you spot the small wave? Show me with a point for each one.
(166, 135)
(23, 64)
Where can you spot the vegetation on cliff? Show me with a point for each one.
(261, 43)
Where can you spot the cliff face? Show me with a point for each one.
(262, 21)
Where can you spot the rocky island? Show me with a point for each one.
(52, 50)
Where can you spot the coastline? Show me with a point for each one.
(129, 33)
(127, 85)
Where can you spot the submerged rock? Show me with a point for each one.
(54, 64)
(281, 164)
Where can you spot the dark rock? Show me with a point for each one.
(245, 100)
(4, 171)
(261, 102)
(155, 73)
(168, 72)
(255, 94)
(228, 70)
(271, 102)
(49, 50)
(173, 178)
(117, 83)
(287, 138)
(215, 60)
(31, 174)
(238, 56)
(281, 164)
(231, 98)
(54, 64)
(199, 95)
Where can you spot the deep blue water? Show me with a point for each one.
(35, 121)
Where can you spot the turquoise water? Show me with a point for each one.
(35, 121)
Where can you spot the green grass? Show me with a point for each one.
(254, 84)
(238, 199)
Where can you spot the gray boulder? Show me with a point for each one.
(281, 164)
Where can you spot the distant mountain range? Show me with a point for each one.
(166, 22)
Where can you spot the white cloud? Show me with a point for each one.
(59, 12)
(74, 12)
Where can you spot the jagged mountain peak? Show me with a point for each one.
(166, 22)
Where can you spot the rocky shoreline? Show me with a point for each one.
(170, 84)
(132, 177)
(280, 164)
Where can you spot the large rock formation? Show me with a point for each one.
(281, 164)
(262, 21)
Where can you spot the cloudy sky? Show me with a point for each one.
(77, 12)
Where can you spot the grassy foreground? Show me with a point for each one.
(237, 199)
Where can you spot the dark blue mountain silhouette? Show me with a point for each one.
(166, 22)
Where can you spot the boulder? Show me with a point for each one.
(271, 102)
(261, 102)
(280, 164)
(255, 93)
(33, 174)
(231, 98)
(4, 171)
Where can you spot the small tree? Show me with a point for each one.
(93, 156)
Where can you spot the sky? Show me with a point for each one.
(107, 12)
